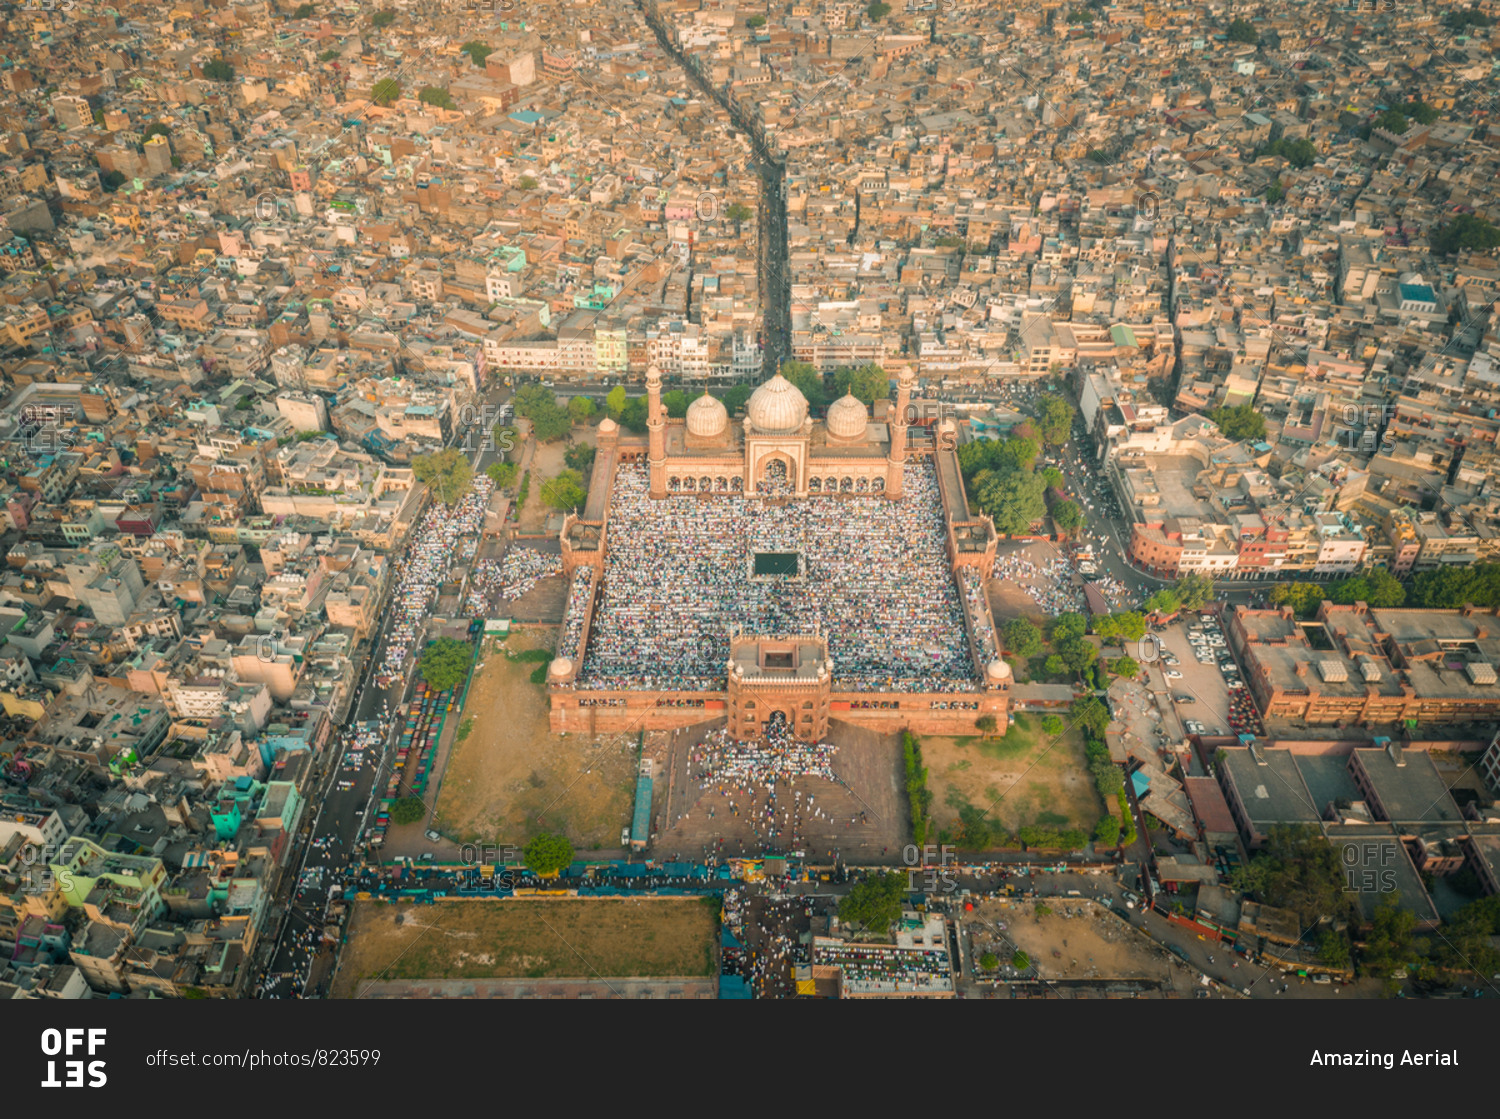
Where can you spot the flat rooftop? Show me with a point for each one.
(1273, 792)
(1412, 792)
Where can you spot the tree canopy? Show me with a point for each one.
(447, 473)
(875, 902)
(1022, 639)
(1090, 714)
(546, 854)
(1241, 421)
(383, 18)
(676, 403)
(1304, 598)
(408, 810)
(549, 420)
(503, 474)
(1121, 626)
(867, 382)
(808, 380)
(1165, 602)
(445, 663)
(1392, 120)
(1453, 586)
(581, 408)
(385, 92)
(1195, 590)
(1377, 587)
(878, 11)
(476, 51)
(1242, 31)
(1067, 516)
(1298, 870)
(218, 70)
(1466, 231)
(614, 401)
(1054, 419)
(436, 95)
(565, 492)
(1014, 499)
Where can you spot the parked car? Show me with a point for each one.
(1183, 697)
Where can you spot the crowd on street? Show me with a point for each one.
(447, 535)
(1051, 583)
(878, 585)
(492, 582)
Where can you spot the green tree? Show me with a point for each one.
(445, 663)
(614, 403)
(808, 380)
(218, 71)
(1164, 602)
(1052, 726)
(1107, 831)
(868, 383)
(1067, 516)
(676, 403)
(874, 903)
(383, 18)
(1242, 31)
(1390, 946)
(549, 420)
(1053, 478)
(738, 213)
(1127, 667)
(734, 398)
(1022, 639)
(1333, 949)
(755, 22)
(986, 725)
(1054, 417)
(1241, 421)
(111, 181)
(1298, 870)
(1392, 120)
(436, 95)
(547, 855)
(155, 128)
(1020, 961)
(1015, 500)
(408, 810)
(526, 182)
(476, 51)
(1069, 625)
(328, 56)
(1054, 665)
(1421, 112)
(1090, 714)
(304, 11)
(1304, 598)
(1377, 587)
(1275, 192)
(1466, 231)
(565, 492)
(1465, 945)
(989, 961)
(581, 409)
(1195, 590)
(878, 11)
(503, 474)
(633, 415)
(385, 92)
(579, 457)
(447, 473)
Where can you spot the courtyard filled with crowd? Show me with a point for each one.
(492, 582)
(877, 585)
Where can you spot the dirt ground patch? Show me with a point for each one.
(1023, 777)
(546, 463)
(511, 777)
(863, 815)
(1091, 944)
(538, 939)
(1008, 600)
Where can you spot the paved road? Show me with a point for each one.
(344, 796)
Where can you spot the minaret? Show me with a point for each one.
(656, 428)
(894, 464)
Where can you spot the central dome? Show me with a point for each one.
(777, 407)
(707, 417)
(847, 417)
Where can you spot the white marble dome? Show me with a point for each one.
(608, 426)
(777, 407)
(707, 417)
(847, 417)
(560, 667)
(998, 671)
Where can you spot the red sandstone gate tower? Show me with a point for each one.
(779, 682)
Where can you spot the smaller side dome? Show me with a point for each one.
(847, 417)
(707, 417)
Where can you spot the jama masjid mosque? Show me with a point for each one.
(780, 454)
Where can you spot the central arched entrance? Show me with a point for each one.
(777, 725)
(776, 481)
